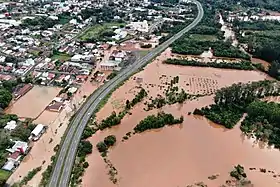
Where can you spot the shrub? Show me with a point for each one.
(101, 146)
(110, 140)
(85, 165)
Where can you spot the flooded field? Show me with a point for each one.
(183, 154)
(34, 102)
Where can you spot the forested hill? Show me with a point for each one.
(234, 4)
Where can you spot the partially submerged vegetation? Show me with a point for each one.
(238, 172)
(157, 121)
(46, 175)
(263, 121)
(103, 146)
(110, 121)
(171, 96)
(27, 178)
(243, 65)
(115, 119)
(160, 120)
(231, 102)
(138, 98)
(85, 148)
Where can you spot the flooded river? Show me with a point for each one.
(184, 154)
(228, 32)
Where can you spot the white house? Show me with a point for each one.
(18, 146)
(11, 125)
(141, 26)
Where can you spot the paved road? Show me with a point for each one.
(65, 160)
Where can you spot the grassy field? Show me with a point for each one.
(96, 30)
(203, 37)
(143, 53)
(35, 53)
(4, 175)
(61, 57)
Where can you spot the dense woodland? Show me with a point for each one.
(205, 36)
(6, 90)
(190, 46)
(157, 121)
(243, 65)
(263, 40)
(263, 121)
(231, 102)
(232, 5)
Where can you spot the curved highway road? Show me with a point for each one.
(65, 160)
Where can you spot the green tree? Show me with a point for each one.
(85, 147)
(110, 140)
(21, 132)
(87, 132)
(5, 98)
(102, 147)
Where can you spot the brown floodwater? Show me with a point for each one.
(34, 102)
(260, 61)
(182, 154)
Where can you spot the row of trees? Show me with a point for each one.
(85, 148)
(115, 119)
(110, 121)
(243, 65)
(232, 5)
(157, 121)
(191, 46)
(138, 98)
(231, 102)
(263, 41)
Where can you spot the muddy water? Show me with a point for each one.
(228, 32)
(34, 102)
(263, 62)
(179, 155)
